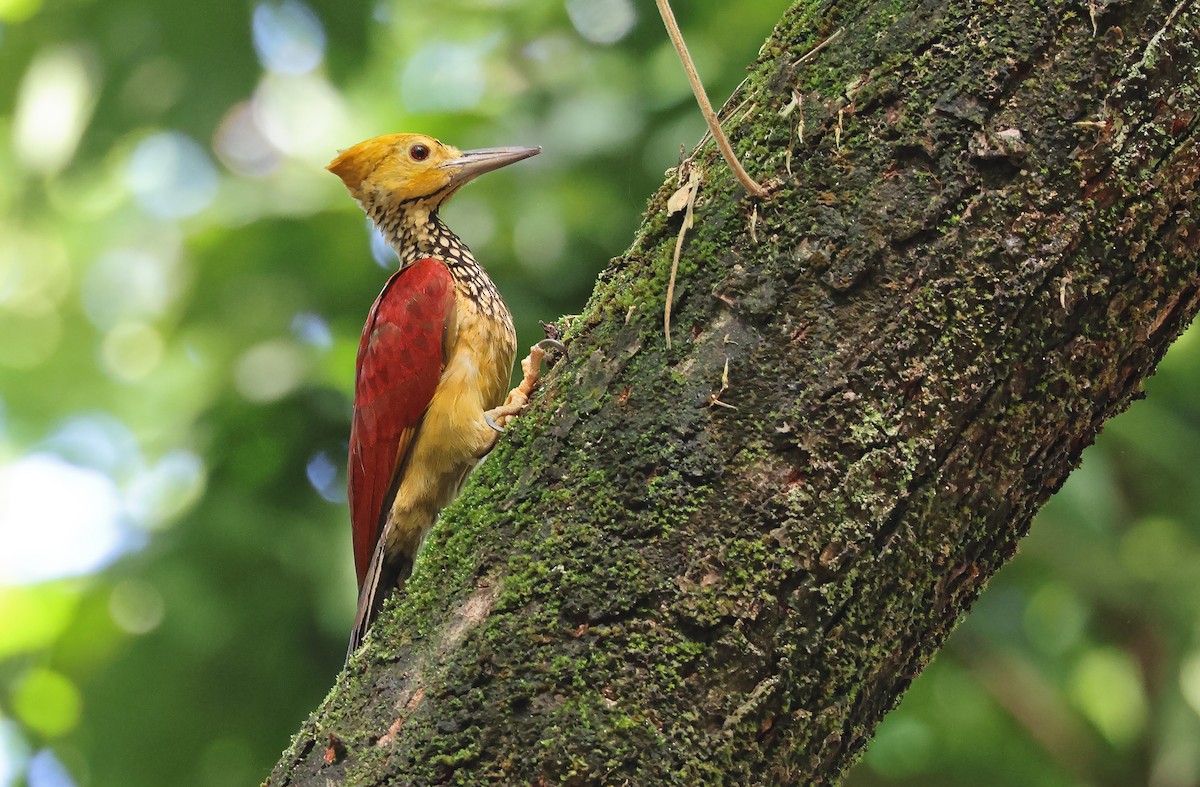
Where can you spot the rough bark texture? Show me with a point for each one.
(984, 239)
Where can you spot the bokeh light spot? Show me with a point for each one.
(131, 283)
(288, 37)
(156, 85)
(171, 176)
(34, 617)
(53, 107)
(1189, 681)
(57, 520)
(381, 251)
(45, 770)
(325, 476)
(270, 370)
(1054, 619)
(159, 495)
(35, 273)
(136, 606)
(47, 702)
(602, 21)
(131, 351)
(241, 144)
(98, 441)
(312, 329)
(300, 115)
(17, 11)
(1106, 686)
(14, 752)
(443, 77)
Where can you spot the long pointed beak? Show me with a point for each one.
(472, 163)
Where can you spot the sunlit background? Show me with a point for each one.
(181, 292)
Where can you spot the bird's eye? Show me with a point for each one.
(418, 152)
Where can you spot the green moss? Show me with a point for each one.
(681, 593)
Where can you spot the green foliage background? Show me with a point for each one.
(181, 292)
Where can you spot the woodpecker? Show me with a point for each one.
(434, 360)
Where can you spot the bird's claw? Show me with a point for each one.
(549, 345)
(518, 398)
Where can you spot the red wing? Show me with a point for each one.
(400, 360)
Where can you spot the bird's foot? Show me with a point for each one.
(549, 347)
(491, 421)
(518, 398)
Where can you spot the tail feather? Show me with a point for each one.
(384, 574)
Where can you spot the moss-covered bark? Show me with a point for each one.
(984, 238)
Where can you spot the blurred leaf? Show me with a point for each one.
(46, 702)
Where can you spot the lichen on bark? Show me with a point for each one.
(983, 238)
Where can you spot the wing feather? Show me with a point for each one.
(401, 356)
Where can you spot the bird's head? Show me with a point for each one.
(399, 168)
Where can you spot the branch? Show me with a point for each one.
(958, 287)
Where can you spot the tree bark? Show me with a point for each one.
(724, 562)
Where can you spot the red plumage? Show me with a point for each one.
(400, 360)
(434, 360)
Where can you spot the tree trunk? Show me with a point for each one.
(722, 563)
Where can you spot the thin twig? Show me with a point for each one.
(671, 285)
(714, 125)
(812, 52)
(715, 399)
(800, 119)
(683, 199)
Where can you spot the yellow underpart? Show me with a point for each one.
(453, 435)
